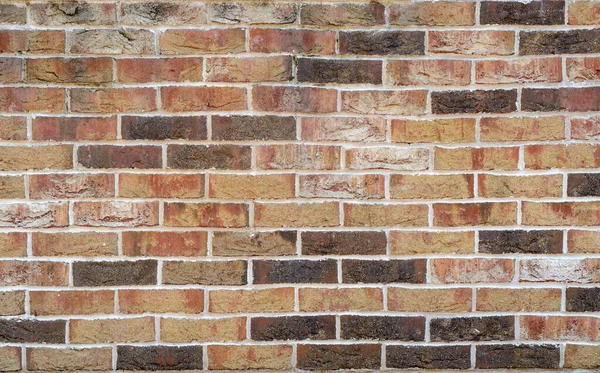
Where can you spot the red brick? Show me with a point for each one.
(45, 303)
(294, 99)
(161, 185)
(28, 99)
(202, 41)
(292, 41)
(74, 128)
(585, 128)
(560, 328)
(10, 70)
(178, 99)
(561, 99)
(60, 186)
(148, 243)
(473, 43)
(32, 41)
(111, 100)
(148, 70)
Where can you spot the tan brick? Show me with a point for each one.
(253, 12)
(13, 158)
(560, 270)
(253, 243)
(251, 69)
(63, 186)
(560, 328)
(384, 215)
(140, 329)
(161, 186)
(385, 102)
(293, 156)
(202, 41)
(148, 70)
(252, 301)
(560, 213)
(115, 214)
(469, 214)
(69, 70)
(225, 186)
(44, 303)
(523, 70)
(161, 301)
(342, 186)
(391, 158)
(324, 214)
(34, 273)
(202, 330)
(435, 131)
(429, 300)
(112, 41)
(582, 356)
(503, 186)
(223, 215)
(585, 128)
(442, 13)
(476, 158)
(69, 359)
(431, 186)
(34, 215)
(249, 357)
(147, 243)
(343, 129)
(74, 244)
(233, 272)
(584, 13)
(579, 241)
(13, 128)
(13, 244)
(340, 299)
(11, 303)
(540, 157)
(473, 43)
(479, 270)
(522, 129)
(182, 99)
(428, 72)
(417, 243)
(10, 359)
(518, 300)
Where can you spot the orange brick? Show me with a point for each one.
(139, 329)
(518, 300)
(225, 186)
(522, 129)
(224, 215)
(431, 186)
(470, 214)
(478, 270)
(340, 299)
(385, 215)
(252, 301)
(148, 243)
(476, 158)
(296, 214)
(161, 301)
(436, 131)
(74, 244)
(429, 300)
(44, 303)
(161, 185)
(202, 330)
(504, 186)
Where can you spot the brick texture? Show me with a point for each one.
(295, 186)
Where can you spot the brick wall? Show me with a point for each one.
(297, 186)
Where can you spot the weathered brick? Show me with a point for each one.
(583, 299)
(292, 328)
(148, 243)
(342, 186)
(382, 42)
(122, 41)
(139, 329)
(73, 13)
(443, 13)
(161, 185)
(584, 13)
(343, 129)
(147, 70)
(12, 303)
(560, 270)
(428, 72)
(10, 69)
(254, 12)
(224, 186)
(12, 187)
(492, 158)
(231, 157)
(331, 357)
(515, 13)
(297, 156)
(429, 300)
(60, 186)
(355, 271)
(480, 101)
(581, 357)
(579, 241)
(232, 272)
(250, 69)
(29, 273)
(74, 128)
(34, 215)
(478, 270)
(560, 213)
(30, 99)
(559, 42)
(325, 214)
(252, 301)
(13, 128)
(294, 99)
(518, 357)
(159, 357)
(585, 128)
(254, 243)
(370, 14)
(223, 215)
(340, 299)
(115, 214)
(182, 99)
(111, 100)
(343, 243)
(32, 41)
(470, 214)
(561, 99)
(10, 358)
(117, 273)
(384, 215)
(296, 41)
(249, 357)
(518, 300)
(74, 244)
(161, 301)
(428, 357)
(32, 331)
(388, 157)
(431, 186)
(492, 328)
(242, 127)
(163, 14)
(520, 242)
(383, 328)
(388, 102)
(69, 70)
(202, 330)
(294, 271)
(472, 43)
(340, 71)
(411, 243)
(435, 131)
(524, 70)
(562, 156)
(559, 328)
(45, 303)
(15, 14)
(583, 69)
(13, 244)
(202, 41)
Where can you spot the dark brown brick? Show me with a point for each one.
(159, 357)
(558, 42)
(141, 272)
(163, 128)
(295, 271)
(492, 101)
(249, 127)
(324, 357)
(583, 185)
(382, 42)
(113, 156)
(545, 12)
(561, 99)
(428, 357)
(343, 243)
(231, 157)
(583, 299)
(343, 71)
(383, 328)
(232, 272)
(32, 331)
(492, 328)
(517, 357)
(292, 328)
(370, 14)
(384, 271)
(521, 242)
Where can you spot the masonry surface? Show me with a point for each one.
(299, 186)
